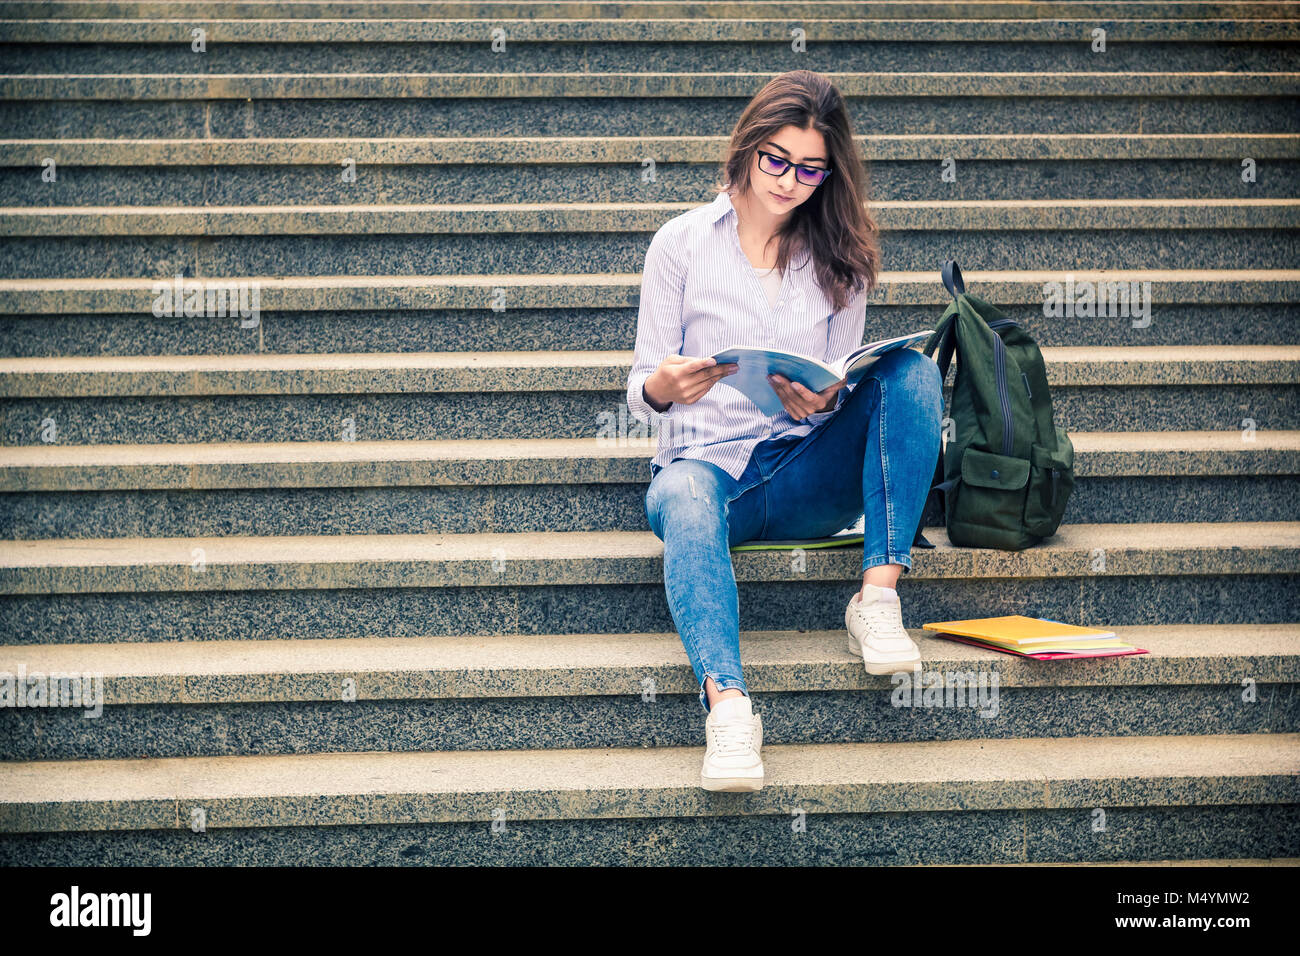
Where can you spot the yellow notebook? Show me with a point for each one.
(1016, 630)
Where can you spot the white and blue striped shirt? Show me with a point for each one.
(699, 295)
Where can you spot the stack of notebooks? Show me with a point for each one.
(1034, 637)
(853, 534)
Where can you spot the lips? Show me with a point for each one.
(779, 198)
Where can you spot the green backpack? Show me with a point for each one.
(1007, 471)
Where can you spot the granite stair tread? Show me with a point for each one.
(540, 461)
(56, 87)
(318, 219)
(58, 295)
(552, 665)
(633, 29)
(1262, 861)
(942, 9)
(561, 370)
(374, 787)
(603, 557)
(526, 150)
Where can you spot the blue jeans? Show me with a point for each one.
(875, 457)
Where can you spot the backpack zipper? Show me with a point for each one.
(1000, 370)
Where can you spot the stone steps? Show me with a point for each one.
(334, 586)
(323, 314)
(581, 484)
(563, 237)
(922, 85)
(330, 314)
(547, 691)
(747, 9)
(535, 394)
(234, 172)
(579, 150)
(411, 480)
(628, 103)
(452, 46)
(372, 31)
(918, 802)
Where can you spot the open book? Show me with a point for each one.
(813, 374)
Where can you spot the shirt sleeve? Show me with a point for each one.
(659, 329)
(842, 337)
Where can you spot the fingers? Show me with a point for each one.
(697, 391)
(707, 367)
(711, 373)
(693, 377)
(798, 401)
(804, 392)
(826, 393)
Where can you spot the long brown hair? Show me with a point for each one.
(833, 224)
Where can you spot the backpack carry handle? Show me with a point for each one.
(952, 280)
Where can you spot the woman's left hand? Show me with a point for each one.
(801, 402)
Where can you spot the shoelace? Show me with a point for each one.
(734, 737)
(883, 618)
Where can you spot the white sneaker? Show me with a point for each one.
(735, 738)
(877, 635)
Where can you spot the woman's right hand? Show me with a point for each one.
(680, 378)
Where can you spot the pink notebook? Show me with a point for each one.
(1049, 655)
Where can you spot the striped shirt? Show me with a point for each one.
(700, 295)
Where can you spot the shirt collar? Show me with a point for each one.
(720, 207)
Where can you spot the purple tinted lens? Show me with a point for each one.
(807, 175)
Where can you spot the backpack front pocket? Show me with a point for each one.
(991, 493)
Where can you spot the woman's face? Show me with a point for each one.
(781, 194)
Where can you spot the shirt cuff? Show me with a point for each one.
(817, 417)
(639, 408)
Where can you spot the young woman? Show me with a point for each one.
(783, 257)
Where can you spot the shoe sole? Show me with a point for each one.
(885, 668)
(731, 784)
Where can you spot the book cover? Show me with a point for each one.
(755, 364)
(1017, 629)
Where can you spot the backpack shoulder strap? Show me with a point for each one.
(952, 280)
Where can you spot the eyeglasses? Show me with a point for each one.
(774, 165)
